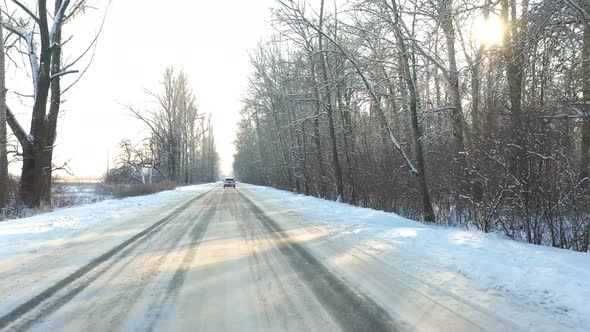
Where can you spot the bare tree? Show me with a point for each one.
(139, 164)
(413, 106)
(181, 138)
(40, 33)
(342, 82)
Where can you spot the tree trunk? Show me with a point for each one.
(476, 118)
(413, 106)
(54, 105)
(585, 146)
(345, 115)
(305, 172)
(316, 133)
(284, 156)
(460, 166)
(329, 109)
(3, 152)
(35, 186)
(514, 71)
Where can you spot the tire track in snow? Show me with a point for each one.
(128, 298)
(262, 267)
(352, 310)
(122, 249)
(174, 285)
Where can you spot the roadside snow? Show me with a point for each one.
(555, 281)
(19, 236)
(485, 269)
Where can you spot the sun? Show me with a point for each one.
(489, 32)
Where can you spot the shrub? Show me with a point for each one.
(141, 189)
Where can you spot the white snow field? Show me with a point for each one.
(18, 236)
(247, 260)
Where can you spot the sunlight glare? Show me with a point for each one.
(489, 32)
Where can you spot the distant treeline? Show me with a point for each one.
(180, 147)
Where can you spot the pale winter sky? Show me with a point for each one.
(210, 40)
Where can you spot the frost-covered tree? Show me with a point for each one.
(491, 118)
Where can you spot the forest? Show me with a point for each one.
(471, 113)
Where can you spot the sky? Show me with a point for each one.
(209, 40)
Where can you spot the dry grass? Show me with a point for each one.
(142, 189)
(62, 198)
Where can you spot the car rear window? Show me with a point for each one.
(229, 179)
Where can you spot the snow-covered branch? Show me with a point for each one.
(31, 50)
(62, 73)
(57, 21)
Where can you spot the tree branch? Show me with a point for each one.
(32, 50)
(27, 10)
(62, 73)
(22, 136)
(59, 17)
(583, 14)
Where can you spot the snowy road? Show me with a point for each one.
(222, 260)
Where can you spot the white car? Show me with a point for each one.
(229, 182)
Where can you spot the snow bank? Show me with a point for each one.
(554, 280)
(18, 236)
